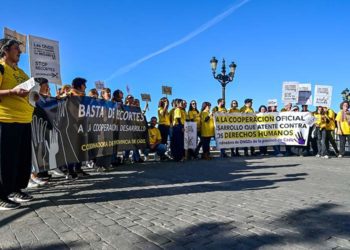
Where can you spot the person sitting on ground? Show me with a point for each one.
(155, 141)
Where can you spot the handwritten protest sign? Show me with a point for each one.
(323, 95)
(190, 135)
(166, 90)
(12, 34)
(44, 59)
(290, 92)
(99, 85)
(146, 97)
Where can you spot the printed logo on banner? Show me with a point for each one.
(44, 59)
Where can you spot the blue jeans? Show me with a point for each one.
(160, 149)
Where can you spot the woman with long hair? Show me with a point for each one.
(207, 129)
(343, 121)
(194, 116)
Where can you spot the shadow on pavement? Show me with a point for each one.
(316, 227)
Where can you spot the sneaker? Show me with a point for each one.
(57, 172)
(39, 181)
(81, 173)
(32, 184)
(280, 155)
(20, 197)
(8, 205)
(156, 157)
(325, 157)
(340, 156)
(318, 155)
(72, 176)
(145, 158)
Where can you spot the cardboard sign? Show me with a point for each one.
(99, 85)
(146, 97)
(190, 135)
(166, 90)
(323, 95)
(44, 59)
(272, 102)
(12, 34)
(290, 92)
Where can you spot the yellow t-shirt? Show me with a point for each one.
(196, 117)
(320, 120)
(163, 117)
(234, 110)
(331, 120)
(245, 109)
(171, 116)
(154, 135)
(219, 109)
(179, 113)
(207, 127)
(14, 108)
(345, 126)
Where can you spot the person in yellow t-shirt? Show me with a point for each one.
(155, 141)
(178, 131)
(194, 116)
(320, 124)
(330, 127)
(207, 129)
(234, 109)
(164, 119)
(343, 121)
(221, 108)
(15, 128)
(248, 108)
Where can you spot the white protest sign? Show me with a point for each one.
(12, 34)
(190, 135)
(262, 129)
(166, 90)
(290, 92)
(44, 59)
(272, 102)
(323, 95)
(99, 85)
(304, 96)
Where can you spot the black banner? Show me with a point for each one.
(82, 128)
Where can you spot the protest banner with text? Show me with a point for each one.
(262, 129)
(82, 128)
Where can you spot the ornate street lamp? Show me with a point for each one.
(345, 94)
(223, 78)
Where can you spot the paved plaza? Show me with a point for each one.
(241, 203)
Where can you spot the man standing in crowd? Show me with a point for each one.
(15, 129)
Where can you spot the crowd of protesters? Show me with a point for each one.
(166, 132)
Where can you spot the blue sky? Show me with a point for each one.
(271, 41)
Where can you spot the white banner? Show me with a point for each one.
(290, 92)
(44, 59)
(305, 95)
(12, 34)
(190, 136)
(262, 129)
(323, 95)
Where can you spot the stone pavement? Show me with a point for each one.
(242, 203)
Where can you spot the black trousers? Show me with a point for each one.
(164, 132)
(15, 157)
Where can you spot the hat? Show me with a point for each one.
(248, 100)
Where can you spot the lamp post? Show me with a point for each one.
(223, 78)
